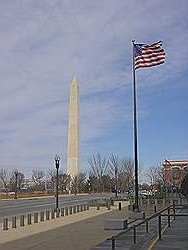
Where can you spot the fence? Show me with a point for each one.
(41, 216)
(157, 216)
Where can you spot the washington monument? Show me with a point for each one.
(73, 156)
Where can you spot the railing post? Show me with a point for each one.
(113, 243)
(144, 216)
(147, 226)
(174, 209)
(159, 224)
(155, 209)
(168, 217)
(134, 230)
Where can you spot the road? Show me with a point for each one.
(10, 208)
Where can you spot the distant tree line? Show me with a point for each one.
(105, 174)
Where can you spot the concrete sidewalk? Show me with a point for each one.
(79, 231)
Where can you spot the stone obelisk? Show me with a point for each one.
(73, 157)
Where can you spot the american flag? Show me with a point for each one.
(148, 55)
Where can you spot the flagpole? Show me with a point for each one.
(136, 205)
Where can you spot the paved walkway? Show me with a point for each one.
(175, 237)
(79, 231)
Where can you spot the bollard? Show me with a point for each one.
(36, 217)
(74, 209)
(81, 208)
(57, 213)
(22, 221)
(13, 221)
(62, 211)
(66, 211)
(108, 205)
(42, 216)
(52, 214)
(28, 219)
(84, 207)
(5, 224)
(119, 205)
(87, 206)
(70, 210)
(98, 206)
(78, 208)
(47, 215)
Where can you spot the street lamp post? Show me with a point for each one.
(57, 160)
(116, 183)
(16, 184)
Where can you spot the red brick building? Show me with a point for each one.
(174, 171)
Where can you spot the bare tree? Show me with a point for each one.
(126, 174)
(16, 181)
(78, 183)
(64, 180)
(114, 164)
(51, 177)
(155, 175)
(5, 178)
(98, 168)
(37, 176)
(184, 186)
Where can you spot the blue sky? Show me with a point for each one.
(43, 44)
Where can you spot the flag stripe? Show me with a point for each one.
(149, 60)
(148, 55)
(149, 65)
(148, 51)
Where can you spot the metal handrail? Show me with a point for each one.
(146, 221)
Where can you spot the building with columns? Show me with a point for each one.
(174, 171)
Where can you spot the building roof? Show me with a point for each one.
(175, 162)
